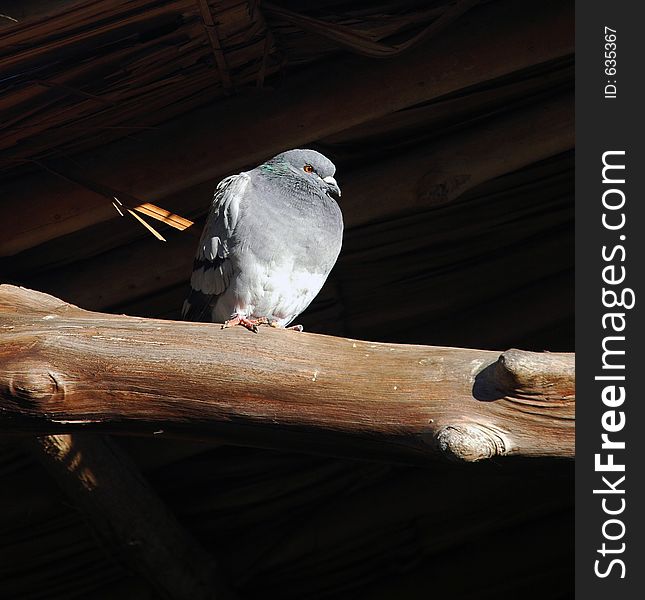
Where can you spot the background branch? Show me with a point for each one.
(129, 516)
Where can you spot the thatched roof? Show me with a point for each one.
(451, 126)
(94, 71)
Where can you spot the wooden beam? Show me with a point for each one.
(438, 173)
(416, 123)
(422, 178)
(127, 514)
(65, 369)
(435, 117)
(489, 42)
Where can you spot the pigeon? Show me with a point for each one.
(271, 238)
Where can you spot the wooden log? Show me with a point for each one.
(30, 497)
(247, 130)
(128, 515)
(65, 369)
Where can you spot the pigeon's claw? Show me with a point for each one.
(250, 324)
(296, 328)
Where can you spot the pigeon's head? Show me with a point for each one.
(316, 167)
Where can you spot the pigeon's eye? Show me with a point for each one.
(308, 169)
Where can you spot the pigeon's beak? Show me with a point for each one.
(332, 187)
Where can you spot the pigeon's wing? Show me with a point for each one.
(212, 268)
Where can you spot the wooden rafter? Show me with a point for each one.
(422, 178)
(129, 517)
(216, 45)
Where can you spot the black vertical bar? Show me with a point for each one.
(610, 328)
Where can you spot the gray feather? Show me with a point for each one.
(211, 268)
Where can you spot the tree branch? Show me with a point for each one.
(66, 369)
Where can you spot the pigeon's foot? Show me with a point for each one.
(253, 324)
(250, 324)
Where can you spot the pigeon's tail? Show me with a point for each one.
(197, 307)
(209, 280)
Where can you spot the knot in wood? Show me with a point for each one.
(33, 384)
(536, 373)
(470, 443)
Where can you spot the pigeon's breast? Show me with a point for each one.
(277, 290)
